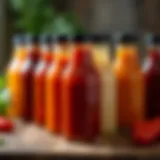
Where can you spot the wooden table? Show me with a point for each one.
(30, 139)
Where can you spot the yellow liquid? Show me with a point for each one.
(108, 90)
(14, 82)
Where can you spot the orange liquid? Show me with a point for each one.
(39, 88)
(14, 82)
(130, 83)
(53, 93)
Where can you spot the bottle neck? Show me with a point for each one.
(122, 49)
(46, 53)
(80, 45)
(127, 56)
(154, 53)
(19, 51)
(61, 53)
(101, 54)
(33, 53)
(82, 58)
(154, 48)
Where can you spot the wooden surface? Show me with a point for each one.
(30, 139)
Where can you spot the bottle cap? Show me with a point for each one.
(81, 38)
(101, 38)
(33, 39)
(46, 39)
(127, 38)
(18, 39)
(61, 38)
(152, 39)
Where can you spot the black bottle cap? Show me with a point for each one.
(46, 39)
(61, 38)
(101, 38)
(18, 39)
(32, 39)
(81, 38)
(152, 39)
(127, 38)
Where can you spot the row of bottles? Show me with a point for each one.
(70, 86)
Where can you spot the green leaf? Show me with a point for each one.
(2, 82)
(5, 99)
(38, 16)
(17, 5)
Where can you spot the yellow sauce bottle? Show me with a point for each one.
(101, 56)
(13, 75)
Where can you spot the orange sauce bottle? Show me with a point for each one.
(53, 85)
(40, 79)
(13, 75)
(130, 82)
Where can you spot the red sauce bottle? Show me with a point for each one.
(53, 85)
(81, 99)
(152, 78)
(40, 78)
(27, 73)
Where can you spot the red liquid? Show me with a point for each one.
(27, 74)
(152, 79)
(81, 99)
(39, 88)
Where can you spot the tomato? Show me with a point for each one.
(6, 125)
(146, 132)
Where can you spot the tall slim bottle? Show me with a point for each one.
(101, 56)
(13, 75)
(27, 77)
(152, 78)
(46, 58)
(130, 82)
(81, 95)
(53, 84)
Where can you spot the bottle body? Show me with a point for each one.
(53, 91)
(108, 102)
(130, 87)
(81, 100)
(27, 79)
(14, 81)
(108, 89)
(40, 87)
(152, 77)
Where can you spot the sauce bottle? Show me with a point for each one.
(81, 94)
(152, 78)
(40, 79)
(53, 84)
(130, 82)
(101, 56)
(13, 75)
(27, 77)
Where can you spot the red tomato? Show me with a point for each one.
(6, 125)
(146, 132)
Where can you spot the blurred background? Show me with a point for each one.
(73, 17)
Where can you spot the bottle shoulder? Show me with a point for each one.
(79, 75)
(27, 66)
(14, 65)
(40, 68)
